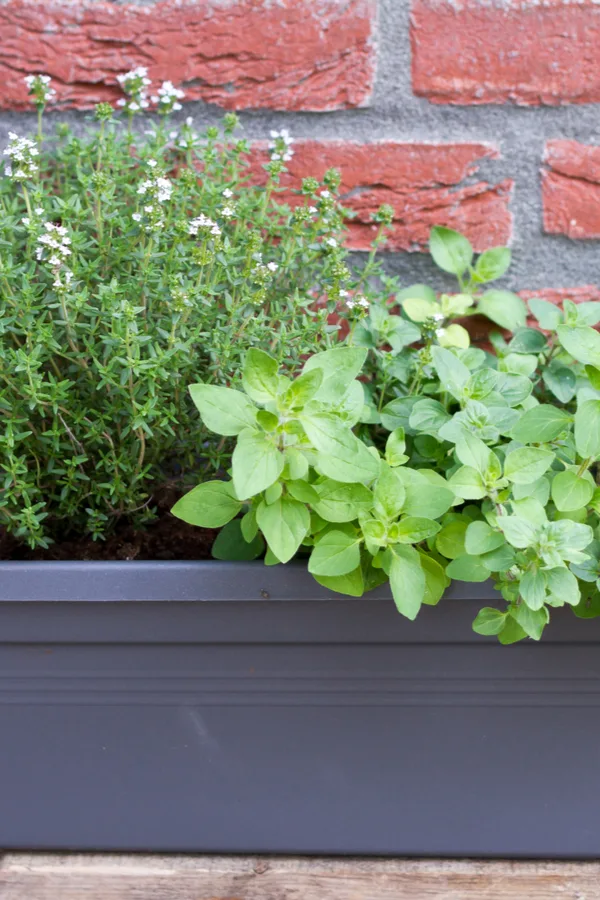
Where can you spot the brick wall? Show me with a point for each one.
(480, 114)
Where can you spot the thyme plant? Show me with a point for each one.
(130, 265)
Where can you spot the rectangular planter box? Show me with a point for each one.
(223, 707)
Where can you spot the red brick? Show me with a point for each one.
(290, 54)
(473, 52)
(422, 182)
(580, 294)
(571, 189)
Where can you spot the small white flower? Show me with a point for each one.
(227, 212)
(39, 211)
(313, 210)
(26, 221)
(152, 163)
(227, 193)
(326, 194)
(272, 267)
(331, 242)
(189, 121)
(344, 293)
(137, 217)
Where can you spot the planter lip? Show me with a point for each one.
(181, 581)
(216, 602)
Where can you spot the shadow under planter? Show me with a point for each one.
(221, 707)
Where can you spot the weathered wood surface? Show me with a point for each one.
(101, 877)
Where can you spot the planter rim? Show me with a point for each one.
(234, 603)
(193, 581)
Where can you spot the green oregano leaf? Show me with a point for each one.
(285, 524)
(223, 410)
(209, 505)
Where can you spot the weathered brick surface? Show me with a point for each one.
(580, 294)
(289, 54)
(571, 189)
(424, 183)
(530, 53)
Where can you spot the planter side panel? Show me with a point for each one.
(263, 744)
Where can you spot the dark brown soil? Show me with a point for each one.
(165, 538)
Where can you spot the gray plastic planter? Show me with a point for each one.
(216, 707)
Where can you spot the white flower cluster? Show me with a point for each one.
(159, 188)
(262, 274)
(134, 84)
(23, 154)
(204, 225)
(167, 98)
(358, 303)
(327, 205)
(155, 191)
(54, 247)
(39, 89)
(280, 145)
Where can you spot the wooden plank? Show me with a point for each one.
(106, 877)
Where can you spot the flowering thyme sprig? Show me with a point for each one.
(134, 84)
(156, 190)
(54, 247)
(280, 145)
(357, 306)
(41, 94)
(167, 98)
(39, 90)
(23, 154)
(204, 226)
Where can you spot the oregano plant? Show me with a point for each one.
(476, 463)
(303, 482)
